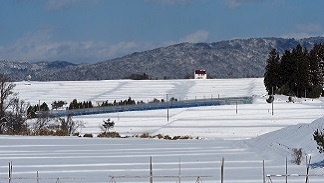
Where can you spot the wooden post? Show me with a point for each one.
(151, 170)
(286, 170)
(10, 172)
(222, 171)
(37, 177)
(179, 170)
(263, 172)
(307, 170)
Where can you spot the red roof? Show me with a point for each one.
(200, 72)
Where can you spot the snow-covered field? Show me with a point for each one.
(244, 138)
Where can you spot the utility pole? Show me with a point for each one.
(236, 107)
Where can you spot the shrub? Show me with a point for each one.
(315, 91)
(145, 135)
(167, 137)
(76, 134)
(88, 135)
(109, 135)
(107, 125)
(298, 155)
(186, 137)
(159, 136)
(176, 137)
(60, 133)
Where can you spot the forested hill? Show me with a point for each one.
(225, 59)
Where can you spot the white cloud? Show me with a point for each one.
(305, 31)
(199, 36)
(54, 5)
(39, 46)
(238, 3)
(310, 28)
(300, 35)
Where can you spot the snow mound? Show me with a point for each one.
(277, 145)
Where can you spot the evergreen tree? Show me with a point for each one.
(302, 70)
(107, 125)
(74, 104)
(287, 72)
(319, 138)
(314, 65)
(44, 107)
(315, 71)
(272, 72)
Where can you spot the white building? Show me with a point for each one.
(200, 74)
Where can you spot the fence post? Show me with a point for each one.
(286, 170)
(263, 171)
(151, 170)
(10, 171)
(37, 177)
(307, 170)
(222, 171)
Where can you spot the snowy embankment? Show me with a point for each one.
(244, 135)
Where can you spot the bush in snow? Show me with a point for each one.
(298, 155)
(88, 135)
(109, 134)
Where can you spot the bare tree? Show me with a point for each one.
(69, 126)
(16, 117)
(298, 155)
(7, 98)
(40, 126)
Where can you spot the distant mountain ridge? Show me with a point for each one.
(237, 58)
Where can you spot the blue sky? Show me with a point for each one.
(89, 31)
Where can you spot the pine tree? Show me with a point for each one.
(300, 72)
(107, 125)
(301, 78)
(44, 107)
(287, 72)
(314, 65)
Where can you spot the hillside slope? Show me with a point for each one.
(225, 59)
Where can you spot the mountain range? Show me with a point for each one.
(238, 58)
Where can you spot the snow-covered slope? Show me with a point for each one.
(215, 122)
(245, 135)
(280, 143)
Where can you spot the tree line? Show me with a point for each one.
(298, 72)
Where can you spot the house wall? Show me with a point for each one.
(200, 76)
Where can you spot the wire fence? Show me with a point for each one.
(153, 106)
(150, 177)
